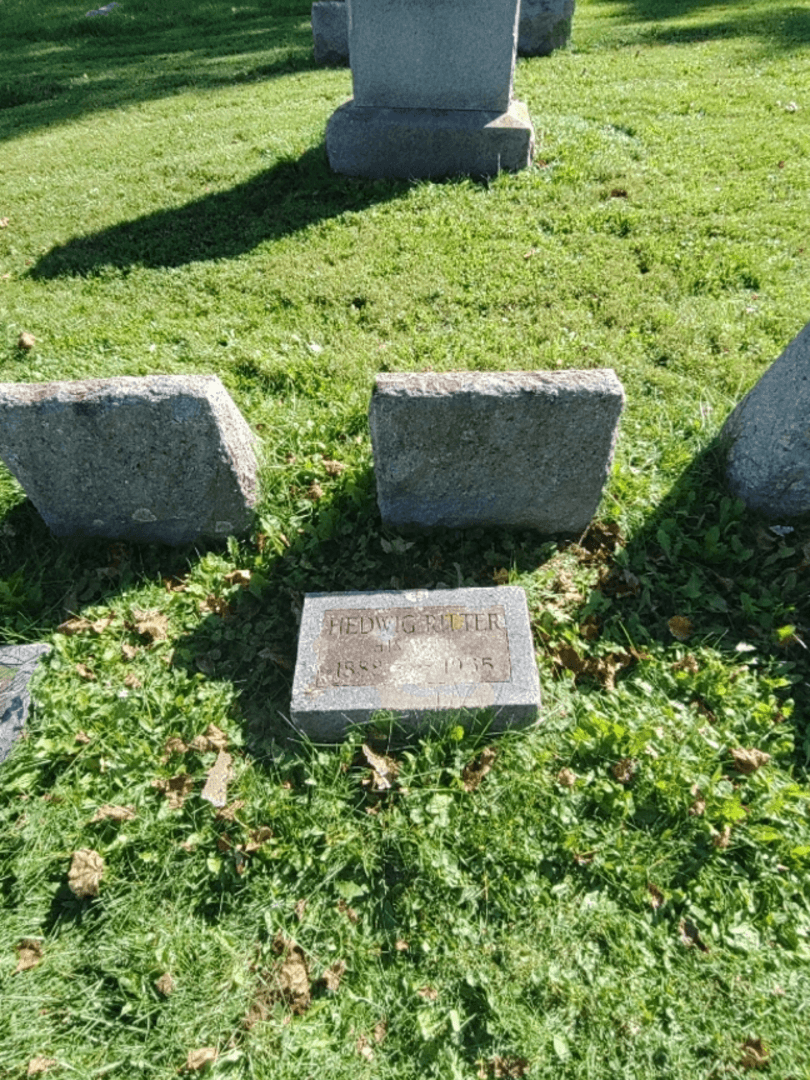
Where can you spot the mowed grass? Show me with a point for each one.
(624, 893)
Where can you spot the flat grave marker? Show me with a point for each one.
(413, 653)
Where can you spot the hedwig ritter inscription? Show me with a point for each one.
(413, 653)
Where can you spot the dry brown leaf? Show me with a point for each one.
(698, 807)
(624, 770)
(173, 745)
(85, 873)
(26, 341)
(656, 896)
(85, 672)
(589, 629)
(228, 813)
(723, 838)
(129, 652)
(363, 1049)
(566, 778)
(314, 491)
(300, 909)
(200, 1059)
(476, 770)
(257, 837)
(428, 993)
(501, 576)
(748, 761)
(380, 1031)
(176, 789)
(165, 984)
(680, 627)
(151, 624)
(217, 739)
(39, 1065)
(583, 858)
(116, 813)
(349, 912)
(334, 974)
(293, 981)
(238, 577)
(601, 540)
(755, 1054)
(333, 468)
(216, 605)
(689, 664)
(132, 681)
(29, 954)
(175, 583)
(619, 582)
(503, 1068)
(401, 945)
(690, 935)
(82, 738)
(215, 789)
(383, 770)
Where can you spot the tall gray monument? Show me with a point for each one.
(432, 91)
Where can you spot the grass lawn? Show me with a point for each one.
(626, 892)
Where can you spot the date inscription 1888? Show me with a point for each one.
(427, 646)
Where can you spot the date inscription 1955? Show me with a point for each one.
(428, 646)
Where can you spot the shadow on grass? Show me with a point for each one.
(781, 26)
(284, 199)
(59, 65)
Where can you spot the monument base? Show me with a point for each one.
(330, 32)
(412, 143)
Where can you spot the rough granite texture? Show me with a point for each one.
(433, 54)
(545, 25)
(528, 449)
(413, 653)
(330, 32)
(768, 437)
(411, 143)
(17, 664)
(163, 458)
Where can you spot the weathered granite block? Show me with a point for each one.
(415, 654)
(17, 664)
(768, 437)
(411, 143)
(433, 54)
(330, 32)
(164, 458)
(544, 25)
(523, 449)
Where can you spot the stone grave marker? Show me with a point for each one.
(415, 653)
(164, 458)
(330, 32)
(17, 664)
(767, 437)
(545, 25)
(432, 91)
(524, 449)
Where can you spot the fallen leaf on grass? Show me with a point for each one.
(129, 652)
(690, 935)
(363, 1049)
(380, 1031)
(165, 984)
(401, 945)
(300, 910)
(238, 577)
(723, 838)
(200, 1059)
(755, 1054)
(82, 738)
(503, 1067)
(78, 626)
(293, 979)
(680, 627)
(748, 761)
(85, 672)
(228, 813)
(26, 341)
(624, 770)
(566, 778)
(29, 954)
(333, 974)
(656, 896)
(116, 813)
(601, 668)
(39, 1065)
(151, 624)
(428, 993)
(132, 681)
(619, 582)
(314, 491)
(85, 873)
(476, 770)
(215, 789)
(698, 807)
(383, 770)
(175, 788)
(688, 663)
(333, 468)
(349, 912)
(600, 541)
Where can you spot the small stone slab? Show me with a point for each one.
(767, 437)
(17, 664)
(330, 32)
(525, 449)
(159, 459)
(545, 25)
(415, 654)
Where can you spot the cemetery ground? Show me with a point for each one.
(623, 891)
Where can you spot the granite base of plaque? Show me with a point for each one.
(414, 654)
